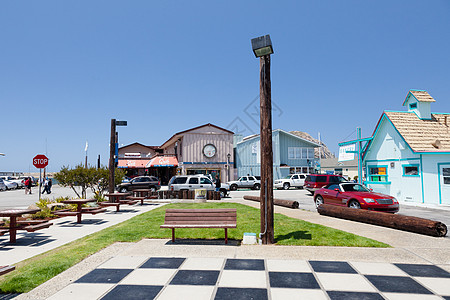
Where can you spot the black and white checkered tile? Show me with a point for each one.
(139, 277)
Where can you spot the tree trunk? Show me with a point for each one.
(406, 223)
(279, 202)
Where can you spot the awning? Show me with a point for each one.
(132, 163)
(162, 161)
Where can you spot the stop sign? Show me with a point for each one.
(40, 161)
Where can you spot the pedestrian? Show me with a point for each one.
(217, 183)
(49, 186)
(45, 185)
(29, 184)
(26, 183)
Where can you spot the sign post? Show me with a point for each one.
(40, 161)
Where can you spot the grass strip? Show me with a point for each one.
(32, 272)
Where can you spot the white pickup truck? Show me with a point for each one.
(293, 180)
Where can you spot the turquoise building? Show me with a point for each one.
(291, 154)
(408, 156)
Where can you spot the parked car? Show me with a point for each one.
(355, 195)
(224, 187)
(293, 180)
(192, 182)
(140, 182)
(313, 182)
(10, 185)
(20, 182)
(34, 180)
(2, 185)
(245, 182)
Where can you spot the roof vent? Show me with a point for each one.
(436, 144)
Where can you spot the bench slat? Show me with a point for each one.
(198, 226)
(33, 228)
(214, 210)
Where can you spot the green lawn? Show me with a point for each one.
(35, 271)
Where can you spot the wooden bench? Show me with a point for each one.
(6, 269)
(116, 204)
(200, 218)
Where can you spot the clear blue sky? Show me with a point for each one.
(68, 67)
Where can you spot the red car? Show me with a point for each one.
(355, 195)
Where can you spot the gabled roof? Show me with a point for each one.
(254, 136)
(178, 134)
(139, 144)
(421, 135)
(421, 96)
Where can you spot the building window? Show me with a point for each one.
(378, 174)
(300, 153)
(411, 170)
(446, 175)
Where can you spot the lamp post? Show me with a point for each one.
(262, 48)
(228, 165)
(112, 151)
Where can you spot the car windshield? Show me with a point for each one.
(354, 187)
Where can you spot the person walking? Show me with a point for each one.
(28, 184)
(217, 183)
(49, 186)
(27, 190)
(45, 185)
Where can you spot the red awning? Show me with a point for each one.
(132, 163)
(163, 161)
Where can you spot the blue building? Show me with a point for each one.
(291, 154)
(409, 154)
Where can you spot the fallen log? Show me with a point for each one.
(406, 223)
(280, 202)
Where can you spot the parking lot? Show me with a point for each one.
(18, 199)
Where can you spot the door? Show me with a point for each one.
(193, 183)
(332, 196)
(444, 182)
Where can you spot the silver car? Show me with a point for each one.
(193, 182)
(245, 182)
(2, 185)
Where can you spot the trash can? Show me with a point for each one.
(200, 195)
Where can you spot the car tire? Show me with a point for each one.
(257, 186)
(318, 201)
(233, 187)
(286, 186)
(354, 204)
(123, 190)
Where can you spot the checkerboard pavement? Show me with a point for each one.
(143, 277)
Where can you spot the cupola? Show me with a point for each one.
(419, 102)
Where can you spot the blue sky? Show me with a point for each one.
(68, 67)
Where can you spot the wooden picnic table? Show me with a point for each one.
(15, 225)
(115, 199)
(80, 209)
(141, 195)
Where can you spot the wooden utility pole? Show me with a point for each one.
(112, 152)
(266, 193)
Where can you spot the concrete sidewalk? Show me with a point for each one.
(63, 231)
(356, 268)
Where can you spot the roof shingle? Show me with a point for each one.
(421, 134)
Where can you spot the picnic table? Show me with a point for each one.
(14, 225)
(80, 209)
(115, 199)
(141, 195)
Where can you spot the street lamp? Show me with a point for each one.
(112, 151)
(228, 165)
(262, 48)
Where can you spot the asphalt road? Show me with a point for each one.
(18, 199)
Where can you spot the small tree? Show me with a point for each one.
(84, 178)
